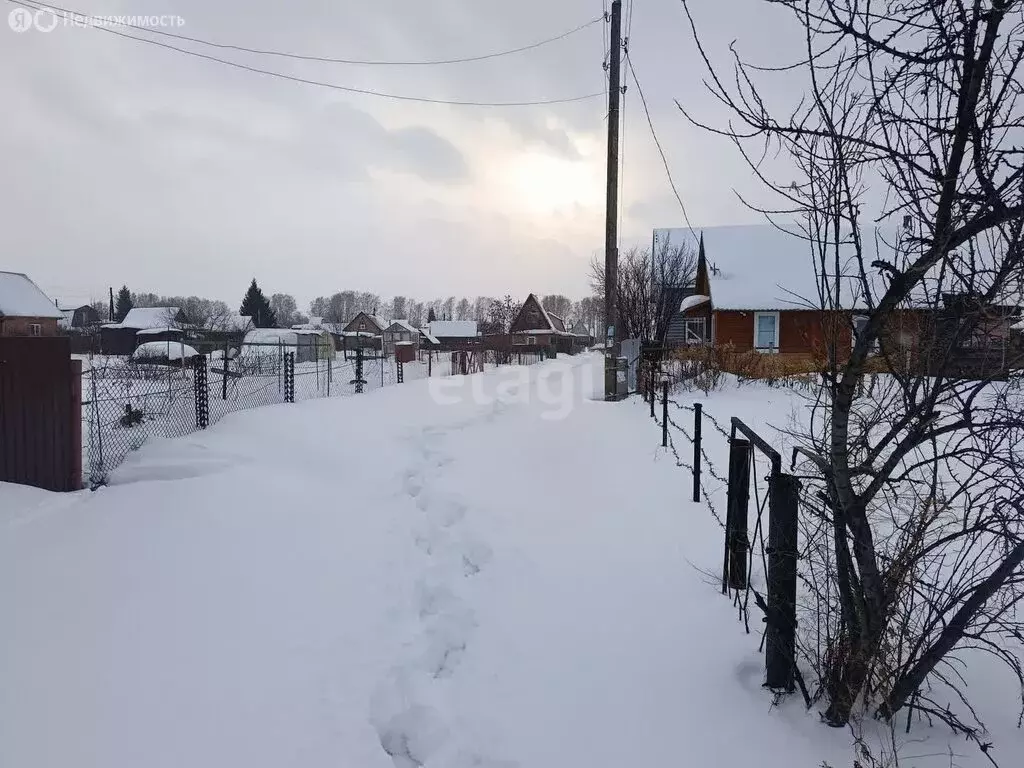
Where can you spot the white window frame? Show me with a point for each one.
(774, 349)
(35, 329)
(531, 341)
(698, 336)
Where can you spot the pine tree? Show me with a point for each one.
(431, 317)
(124, 304)
(256, 306)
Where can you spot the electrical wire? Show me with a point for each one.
(329, 59)
(661, 151)
(333, 86)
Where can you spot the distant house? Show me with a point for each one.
(453, 333)
(157, 323)
(400, 332)
(582, 334)
(364, 322)
(534, 326)
(268, 345)
(24, 309)
(81, 319)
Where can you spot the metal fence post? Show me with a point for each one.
(202, 392)
(734, 572)
(224, 375)
(664, 413)
(358, 380)
(698, 410)
(289, 377)
(651, 387)
(780, 640)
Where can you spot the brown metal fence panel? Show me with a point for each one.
(40, 413)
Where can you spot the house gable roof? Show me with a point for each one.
(400, 326)
(534, 318)
(20, 297)
(580, 329)
(759, 266)
(378, 323)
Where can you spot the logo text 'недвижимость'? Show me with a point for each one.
(45, 19)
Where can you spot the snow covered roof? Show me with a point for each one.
(237, 323)
(20, 297)
(401, 325)
(141, 318)
(154, 331)
(284, 336)
(693, 301)
(449, 329)
(761, 267)
(429, 337)
(172, 350)
(1018, 327)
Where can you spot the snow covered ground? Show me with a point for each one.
(493, 571)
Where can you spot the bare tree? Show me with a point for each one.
(650, 288)
(559, 304)
(914, 533)
(285, 309)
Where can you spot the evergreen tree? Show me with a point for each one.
(124, 304)
(256, 306)
(431, 317)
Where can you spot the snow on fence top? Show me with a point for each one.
(761, 267)
(20, 297)
(146, 318)
(448, 329)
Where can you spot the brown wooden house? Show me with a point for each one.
(535, 327)
(757, 291)
(24, 309)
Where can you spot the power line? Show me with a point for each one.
(654, 135)
(333, 86)
(329, 59)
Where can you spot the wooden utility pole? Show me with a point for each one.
(611, 223)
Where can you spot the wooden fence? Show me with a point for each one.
(40, 413)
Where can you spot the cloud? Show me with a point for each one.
(350, 135)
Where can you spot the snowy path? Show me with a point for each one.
(450, 574)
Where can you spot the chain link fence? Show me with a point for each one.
(128, 402)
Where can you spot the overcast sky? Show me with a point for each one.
(129, 163)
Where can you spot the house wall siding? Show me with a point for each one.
(19, 326)
(801, 332)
